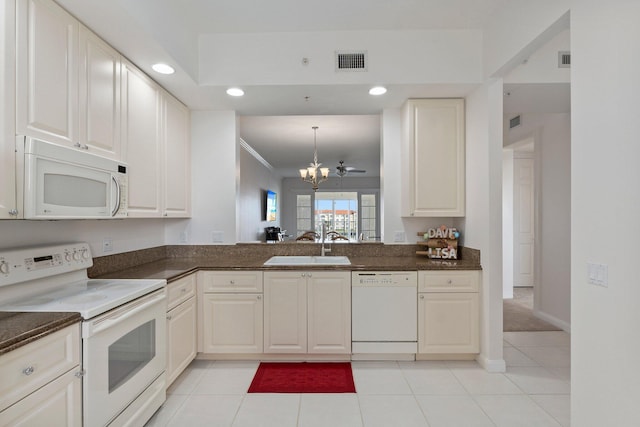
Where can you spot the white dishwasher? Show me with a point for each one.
(384, 315)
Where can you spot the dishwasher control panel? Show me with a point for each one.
(380, 278)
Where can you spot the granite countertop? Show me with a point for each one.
(172, 269)
(18, 329)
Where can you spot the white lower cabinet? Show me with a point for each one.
(181, 326)
(307, 312)
(232, 309)
(448, 312)
(41, 381)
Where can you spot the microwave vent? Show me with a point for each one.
(351, 61)
(514, 122)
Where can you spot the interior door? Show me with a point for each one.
(523, 220)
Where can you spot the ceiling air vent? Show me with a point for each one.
(564, 59)
(514, 122)
(351, 61)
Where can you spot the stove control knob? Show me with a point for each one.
(67, 257)
(76, 256)
(4, 267)
(85, 254)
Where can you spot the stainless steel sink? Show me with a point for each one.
(307, 260)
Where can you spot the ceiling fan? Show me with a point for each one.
(342, 170)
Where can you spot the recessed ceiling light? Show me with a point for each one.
(378, 90)
(235, 91)
(163, 68)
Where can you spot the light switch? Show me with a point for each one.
(598, 274)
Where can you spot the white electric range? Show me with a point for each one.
(123, 327)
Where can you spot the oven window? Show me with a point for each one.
(131, 353)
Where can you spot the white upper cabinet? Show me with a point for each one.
(141, 135)
(68, 81)
(156, 134)
(177, 158)
(434, 158)
(47, 77)
(8, 202)
(99, 96)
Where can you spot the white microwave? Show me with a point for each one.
(65, 183)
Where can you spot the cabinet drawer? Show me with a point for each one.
(180, 291)
(448, 281)
(28, 368)
(231, 281)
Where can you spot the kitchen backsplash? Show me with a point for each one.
(107, 264)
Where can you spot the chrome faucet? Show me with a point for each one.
(324, 250)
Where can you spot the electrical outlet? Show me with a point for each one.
(184, 237)
(107, 244)
(217, 236)
(598, 274)
(399, 236)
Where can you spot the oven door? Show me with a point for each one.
(124, 351)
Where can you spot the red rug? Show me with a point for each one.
(303, 378)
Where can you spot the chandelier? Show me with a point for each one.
(314, 174)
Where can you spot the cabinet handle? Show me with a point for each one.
(169, 317)
(233, 282)
(309, 274)
(259, 297)
(85, 147)
(80, 373)
(77, 145)
(28, 371)
(449, 281)
(421, 296)
(183, 290)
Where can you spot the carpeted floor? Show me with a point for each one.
(517, 313)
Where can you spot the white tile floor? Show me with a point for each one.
(533, 392)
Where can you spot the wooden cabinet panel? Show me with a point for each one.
(59, 403)
(307, 312)
(177, 158)
(47, 77)
(434, 138)
(181, 338)
(448, 281)
(285, 312)
(448, 323)
(99, 96)
(28, 368)
(140, 133)
(181, 290)
(232, 323)
(231, 281)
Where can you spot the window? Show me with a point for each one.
(368, 221)
(303, 214)
(339, 211)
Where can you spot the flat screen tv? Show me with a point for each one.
(272, 206)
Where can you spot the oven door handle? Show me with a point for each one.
(123, 313)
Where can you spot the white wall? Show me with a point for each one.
(542, 65)
(517, 29)
(605, 208)
(215, 168)
(552, 136)
(255, 180)
(482, 225)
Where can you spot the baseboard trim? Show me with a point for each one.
(553, 320)
(492, 365)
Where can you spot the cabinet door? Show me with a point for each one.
(232, 323)
(181, 338)
(99, 96)
(448, 323)
(177, 158)
(58, 403)
(329, 312)
(231, 281)
(47, 77)
(140, 134)
(285, 312)
(434, 134)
